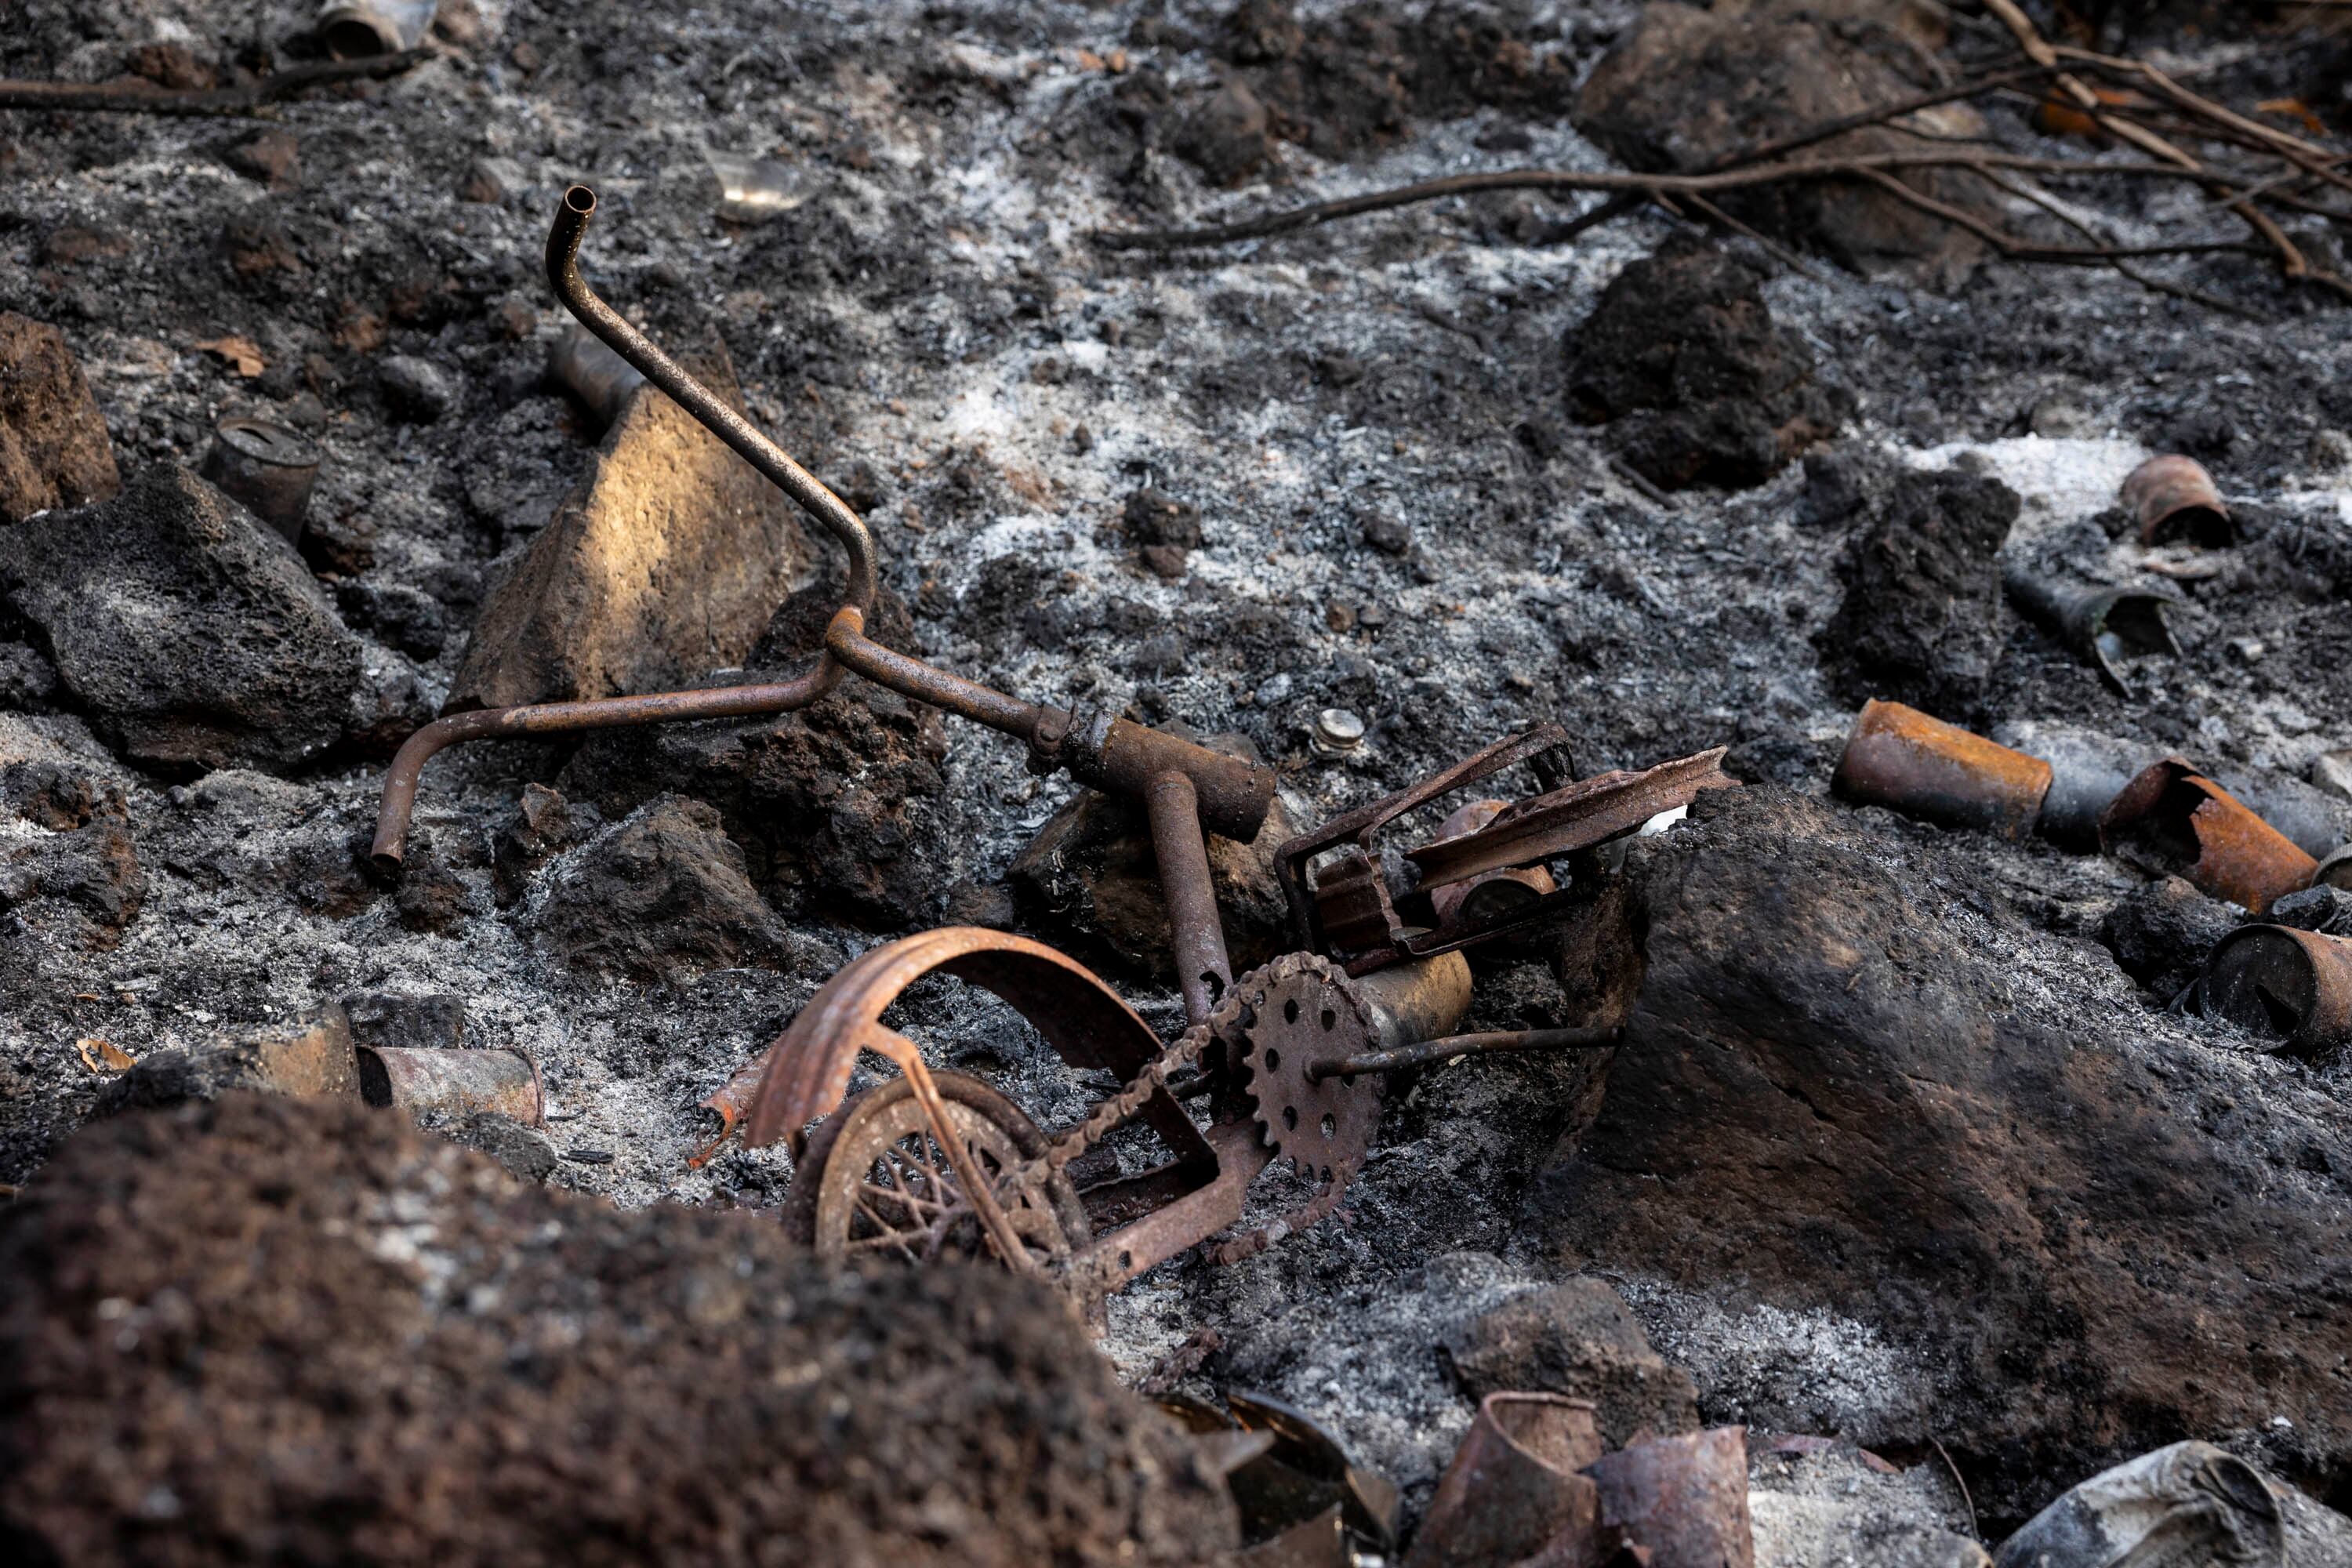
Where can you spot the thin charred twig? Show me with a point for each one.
(1633, 197)
(2057, 209)
(2292, 261)
(2018, 249)
(1638, 186)
(252, 101)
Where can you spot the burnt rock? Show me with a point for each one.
(659, 896)
(1577, 1338)
(127, 592)
(272, 157)
(53, 450)
(183, 1294)
(1091, 870)
(2325, 908)
(525, 1152)
(408, 619)
(665, 562)
(1682, 358)
(835, 805)
(1853, 1087)
(1686, 87)
(73, 872)
(1166, 529)
(1358, 79)
(28, 680)
(1921, 621)
(544, 825)
(2161, 932)
(1227, 135)
(416, 389)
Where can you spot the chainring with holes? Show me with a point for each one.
(1301, 1011)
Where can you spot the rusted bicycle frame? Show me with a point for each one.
(1302, 1035)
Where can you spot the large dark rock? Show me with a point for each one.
(298, 1332)
(68, 864)
(1853, 1084)
(835, 805)
(1682, 356)
(658, 895)
(53, 447)
(190, 632)
(663, 563)
(1686, 87)
(1921, 621)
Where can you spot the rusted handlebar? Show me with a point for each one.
(563, 271)
(1107, 754)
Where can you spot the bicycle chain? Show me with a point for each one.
(1029, 1177)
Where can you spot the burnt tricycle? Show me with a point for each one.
(1285, 1061)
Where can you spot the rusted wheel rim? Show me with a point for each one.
(885, 1189)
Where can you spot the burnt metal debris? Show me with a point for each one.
(362, 31)
(1301, 1497)
(267, 468)
(601, 380)
(1516, 1488)
(2290, 987)
(2167, 817)
(1681, 1502)
(2172, 498)
(2103, 624)
(1923, 767)
(456, 1082)
(1290, 1058)
(2174, 820)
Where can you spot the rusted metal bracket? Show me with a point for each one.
(1374, 913)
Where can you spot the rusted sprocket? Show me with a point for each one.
(1299, 1012)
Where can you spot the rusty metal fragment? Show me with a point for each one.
(1493, 896)
(2173, 498)
(1684, 1501)
(2174, 820)
(1514, 1491)
(457, 1083)
(601, 380)
(2293, 987)
(351, 32)
(264, 467)
(2335, 870)
(2189, 1503)
(1923, 767)
(2102, 623)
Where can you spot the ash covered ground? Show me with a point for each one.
(1400, 511)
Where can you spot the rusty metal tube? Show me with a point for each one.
(2288, 985)
(1202, 968)
(2172, 496)
(1684, 1499)
(455, 1082)
(1923, 767)
(1418, 1000)
(400, 781)
(2176, 821)
(845, 640)
(1447, 1046)
(1513, 1489)
(572, 215)
(2102, 624)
